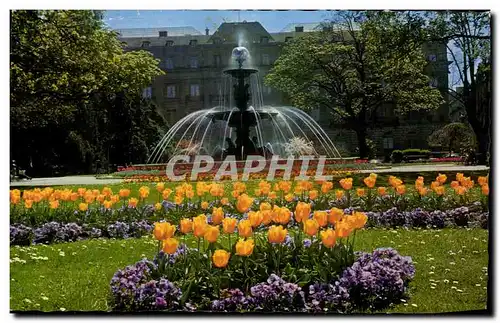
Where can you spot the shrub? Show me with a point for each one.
(396, 156)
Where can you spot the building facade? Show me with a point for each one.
(193, 63)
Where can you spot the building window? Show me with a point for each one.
(194, 90)
(163, 33)
(216, 60)
(432, 58)
(145, 44)
(264, 40)
(265, 59)
(299, 29)
(193, 42)
(388, 143)
(147, 92)
(433, 82)
(169, 43)
(217, 40)
(327, 28)
(193, 62)
(169, 63)
(171, 91)
(287, 39)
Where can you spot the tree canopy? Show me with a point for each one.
(73, 90)
(360, 62)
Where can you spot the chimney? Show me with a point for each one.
(206, 31)
(163, 33)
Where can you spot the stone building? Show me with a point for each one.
(193, 62)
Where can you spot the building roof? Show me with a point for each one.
(154, 32)
(232, 32)
(314, 26)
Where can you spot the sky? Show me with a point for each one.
(273, 21)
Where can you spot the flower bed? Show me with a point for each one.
(263, 263)
(55, 232)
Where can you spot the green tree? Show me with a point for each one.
(69, 76)
(364, 60)
(453, 136)
(467, 36)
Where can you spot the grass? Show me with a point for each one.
(75, 276)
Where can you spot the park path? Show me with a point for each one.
(91, 180)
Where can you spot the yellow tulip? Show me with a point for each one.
(186, 225)
(211, 233)
(160, 187)
(243, 203)
(265, 206)
(346, 183)
(321, 217)
(335, 215)
(158, 206)
(132, 202)
(276, 234)
(229, 224)
(170, 245)
(328, 238)
(220, 258)
(244, 248)
(255, 218)
(311, 227)
(244, 228)
(217, 215)
(163, 230)
(302, 211)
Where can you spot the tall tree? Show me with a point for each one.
(68, 76)
(361, 61)
(467, 36)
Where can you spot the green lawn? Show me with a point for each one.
(451, 270)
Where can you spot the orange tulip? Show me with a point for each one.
(422, 191)
(204, 205)
(276, 234)
(221, 258)
(163, 230)
(460, 190)
(229, 224)
(243, 203)
(186, 225)
(313, 194)
(360, 220)
(360, 192)
(266, 216)
(54, 204)
(224, 201)
(439, 190)
(441, 178)
(342, 230)
(346, 183)
(335, 215)
(199, 226)
(282, 215)
(132, 202)
(382, 191)
(339, 194)
(124, 193)
(107, 204)
(369, 181)
(400, 189)
(321, 217)
(454, 184)
(217, 215)
(255, 218)
(311, 227)
(170, 245)
(166, 193)
(482, 180)
(264, 206)
(211, 233)
(244, 248)
(143, 192)
(28, 204)
(244, 228)
(328, 237)
(302, 211)
(485, 189)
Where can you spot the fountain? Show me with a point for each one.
(256, 129)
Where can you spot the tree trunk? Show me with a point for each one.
(362, 146)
